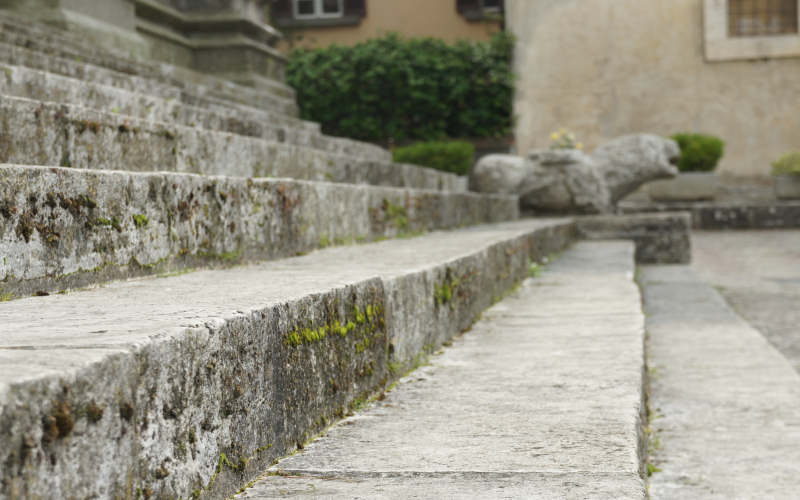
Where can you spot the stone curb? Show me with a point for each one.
(662, 238)
(201, 403)
(65, 228)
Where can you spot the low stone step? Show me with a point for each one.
(542, 398)
(39, 85)
(194, 384)
(64, 228)
(726, 403)
(52, 41)
(49, 134)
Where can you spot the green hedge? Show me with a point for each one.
(453, 156)
(392, 89)
(787, 164)
(699, 152)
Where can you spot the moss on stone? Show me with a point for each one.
(94, 412)
(140, 220)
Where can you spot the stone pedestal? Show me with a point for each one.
(688, 186)
(787, 186)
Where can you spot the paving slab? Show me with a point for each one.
(194, 384)
(726, 403)
(537, 400)
(758, 273)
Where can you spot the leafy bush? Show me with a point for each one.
(393, 89)
(788, 164)
(699, 153)
(453, 156)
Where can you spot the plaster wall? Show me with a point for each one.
(604, 68)
(411, 18)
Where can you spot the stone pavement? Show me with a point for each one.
(758, 273)
(725, 403)
(540, 399)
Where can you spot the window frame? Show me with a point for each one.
(719, 45)
(318, 11)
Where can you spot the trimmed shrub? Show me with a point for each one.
(788, 164)
(392, 89)
(453, 156)
(699, 152)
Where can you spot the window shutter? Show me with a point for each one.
(464, 6)
(355, 8)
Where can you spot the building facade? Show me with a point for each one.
(318, 23)
(604, 68)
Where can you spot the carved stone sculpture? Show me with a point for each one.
(570, 181)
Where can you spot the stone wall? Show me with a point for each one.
(604, 68)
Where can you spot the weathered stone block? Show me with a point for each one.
(659, 238)
(65, 228)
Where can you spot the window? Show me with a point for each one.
(479, 10)
(750, 29)
(301, 14)
(762, 17)
(492, 5)
(317, 9)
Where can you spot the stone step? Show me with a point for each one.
(63, 228)
(542, 398)
(66, 64)
(726, 403)
(52, 41)
(194, 384)
(39, 85)
(50, 134)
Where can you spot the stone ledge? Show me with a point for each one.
(726, 216)
(196, 383)
(659, 238)
(65, 228)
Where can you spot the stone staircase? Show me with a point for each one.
(183, 384)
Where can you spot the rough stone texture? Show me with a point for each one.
(44, 39)
(575, 70)
(659, 238)
(39, 133)
(727, 404)
(71, 82)
(742, 215)
(540, 399)
(568, 181)
(63, 228)
(197, 382)
(758, 274)
(209, 114)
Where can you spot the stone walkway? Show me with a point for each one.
(758, 273)
(540, 399)
(726, 403)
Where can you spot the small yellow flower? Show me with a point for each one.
(555, 136)
(579, 145)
